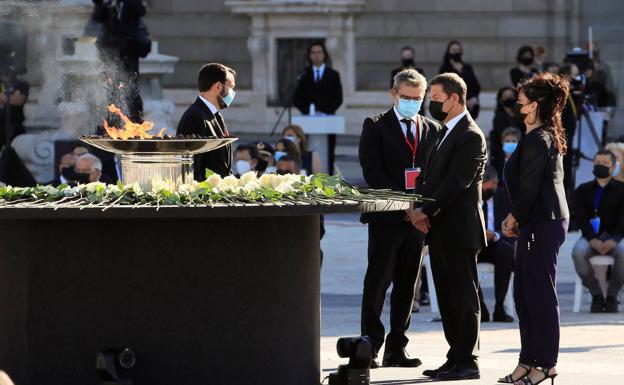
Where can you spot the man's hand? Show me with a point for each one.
(491, 236)
(510, 226)
(608, 246)
(419, 220)
(597, 244)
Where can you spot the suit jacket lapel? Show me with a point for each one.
(451, 137)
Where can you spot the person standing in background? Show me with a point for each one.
(319, 88)
(524, 69)
(504, 117)
(454, 63)
(407, 63)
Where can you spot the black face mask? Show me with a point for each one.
(488, 194)
(509, 102)
(520, 116)
(527, 61)
(601, 171)
(435, 109)
(72, 176)
(456, 56)
(408, 62)
(284, 172)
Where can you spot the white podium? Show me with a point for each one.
(318, 128)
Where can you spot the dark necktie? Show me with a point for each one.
(442, 135)
(408, 132)
(222, 124)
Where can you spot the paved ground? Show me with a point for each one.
(592, 346)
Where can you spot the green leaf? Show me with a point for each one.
(209, 172)
(329, 192)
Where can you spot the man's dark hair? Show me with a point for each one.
(452, 84)
(489, 173)
(289, 158)
(212, 73)
(407, 48)
(322, 45)
(253, 150)
(524, 49)
(604, 151)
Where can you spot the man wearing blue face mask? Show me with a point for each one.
(393, 148)
(216, 84)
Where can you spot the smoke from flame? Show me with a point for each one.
(130, 130)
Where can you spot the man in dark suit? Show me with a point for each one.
(320, 85)
(393, 147)
(454, 224)
(216, 84)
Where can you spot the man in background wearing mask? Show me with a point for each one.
(287, 165)
(599, 207)
(247, 159)
(216, 84)
(393, 149)
(500, 249)
(454, 224)
(88, 168)
(407, 63)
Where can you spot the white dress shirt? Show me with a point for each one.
(412, 126)
(318, 72)
(211, 106)
(451, 124)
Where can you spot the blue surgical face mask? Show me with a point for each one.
(292, 138)
(408, 108)
(279, 154)
(229, 98)
(509, 147)
(618, 169)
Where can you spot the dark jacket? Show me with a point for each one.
(453, 178)
(518, 76)
(610, 209)
(326, 95)
(384, 156)
(534, 178)
(199, 120)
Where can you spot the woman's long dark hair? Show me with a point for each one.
(447, 55)
(322, 45)
(550, 91)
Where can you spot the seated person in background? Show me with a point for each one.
(509, 140)
(599, 208)
(246, 159)
(287, 165)
(267, 156)
(286, 147)
(310, 160)
(500, 249)
(617, 148)
(67, 161)
(88, 168)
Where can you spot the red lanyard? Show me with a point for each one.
(413, 147)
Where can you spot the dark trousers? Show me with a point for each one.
(394, 256)
(455, 277)
(501, 255)
(535, 291)
(331, 153)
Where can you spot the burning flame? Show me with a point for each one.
(130, 129)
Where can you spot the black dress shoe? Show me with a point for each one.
(598, 304)
(501, 316)
(611, 305)
(374, 363)
(400, 359)
(433, 373)
(460, 372)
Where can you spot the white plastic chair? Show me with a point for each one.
(486, 273)
(596, 260)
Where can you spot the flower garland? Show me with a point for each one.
(249, 188)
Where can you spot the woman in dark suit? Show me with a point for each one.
(539, 219)
(453, 62)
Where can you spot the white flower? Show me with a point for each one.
(186, 188)
(229, 183)
(266, 180)
(136, 188)
(215, 180)
(247, 177)
(292, 178)
(112, 189)
(284, 188)
(70, 191)
(93, 186)
(277, 180)
(252, 186)
(159, 185)
(49, 189)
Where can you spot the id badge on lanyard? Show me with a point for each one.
(595, 221)
(411, 174)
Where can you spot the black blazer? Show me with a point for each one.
(199, 120)
(326, 95)
(384, 156)
(453, 179)
(534, 179)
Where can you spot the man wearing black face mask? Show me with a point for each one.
(407, 62)
(88, 168)
(599, 208)
(216, 84)
(454, 224)
(500, 249)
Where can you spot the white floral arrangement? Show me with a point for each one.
(249, 188)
